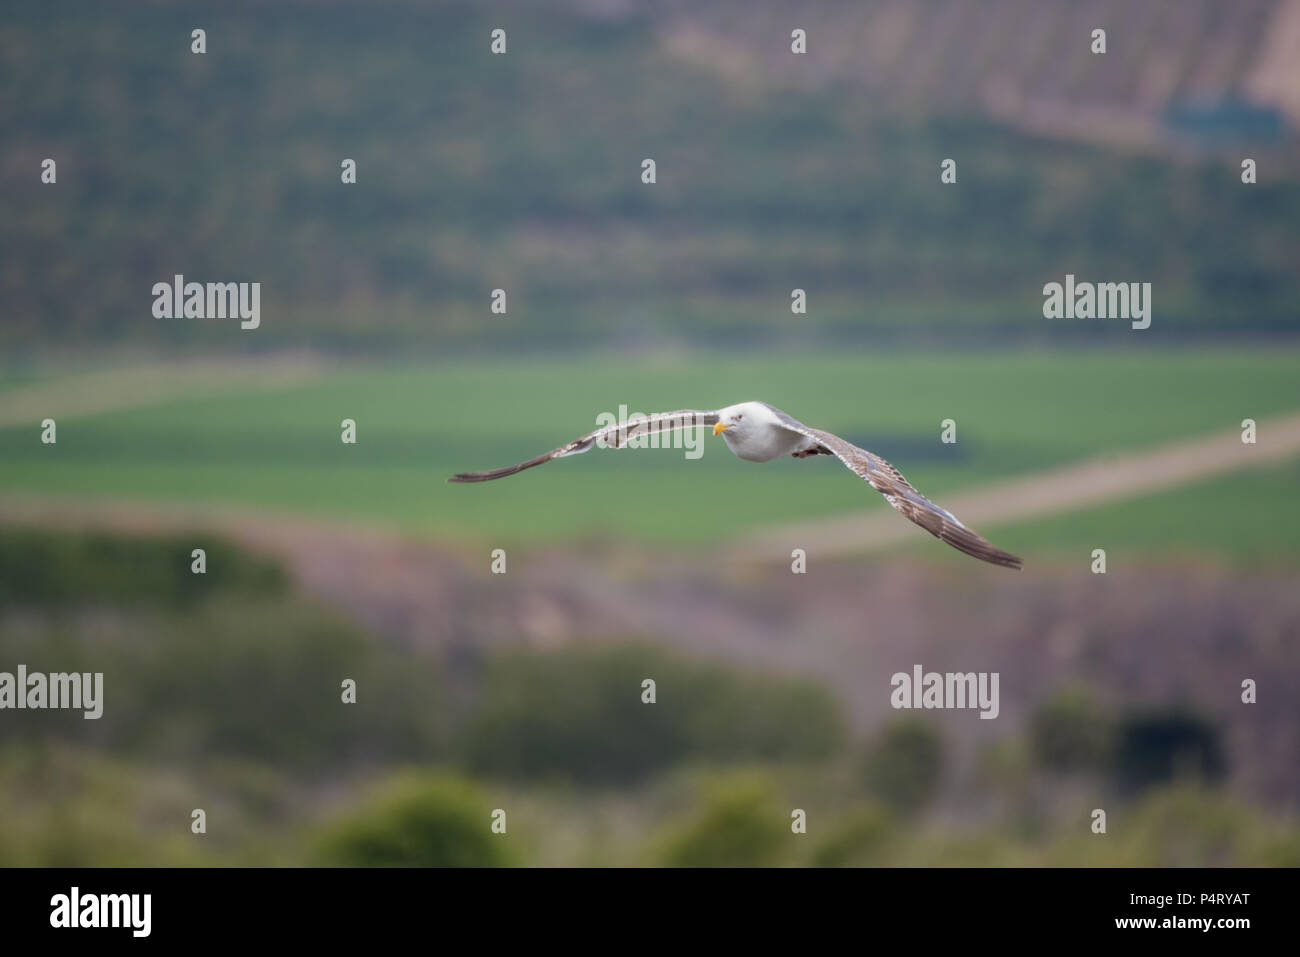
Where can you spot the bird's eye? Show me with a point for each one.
(739, 416)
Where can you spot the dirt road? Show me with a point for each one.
(143, 384)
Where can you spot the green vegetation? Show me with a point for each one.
(472, 168)
(100, 568)
(279, 449)
(904, 765)
(1177, 826)
(417, 821)
(1182, 826)
(573, 713)
(860, 836)
(230, 702)
(229, 665)
(1248, 517)
(1069, 732)
(741, 823)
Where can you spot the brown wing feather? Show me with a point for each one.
(899, 493)
(611, 436)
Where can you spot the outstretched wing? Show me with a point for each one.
(898, 492)
(614, 436)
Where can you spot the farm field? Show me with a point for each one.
(277, 447)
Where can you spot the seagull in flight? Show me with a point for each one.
(758, 432)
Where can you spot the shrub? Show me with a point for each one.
(1069, 733)
(859, 837)
(741, 824)
(904, 765)
(416, 821)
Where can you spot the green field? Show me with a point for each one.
(280, 449)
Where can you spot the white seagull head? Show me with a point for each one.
(744, 419)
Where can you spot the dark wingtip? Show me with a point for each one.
(1012, 561)
(998, 557)
(977, 546)
(490, 475)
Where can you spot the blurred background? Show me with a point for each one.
(522, 691)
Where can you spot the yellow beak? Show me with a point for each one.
(720, 427)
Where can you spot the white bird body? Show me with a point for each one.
(754, 433)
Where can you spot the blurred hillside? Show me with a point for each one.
(223, 693)
(1176, 73)
(522, 171)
